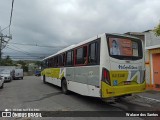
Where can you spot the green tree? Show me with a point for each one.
(24, 65)
(7, 61)
(21, 62)
(38, 63)
(157, 30)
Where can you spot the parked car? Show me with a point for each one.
(1, 82)
(6, 75)
(18, 74)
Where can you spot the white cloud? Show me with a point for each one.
(63, 22)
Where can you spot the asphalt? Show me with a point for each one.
(149, 99)
(155, 95)
(31, 93)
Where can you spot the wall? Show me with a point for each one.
(152, 46)
(152, 41)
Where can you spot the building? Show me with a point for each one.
(152, 48)
(137, 34)
(152, 57)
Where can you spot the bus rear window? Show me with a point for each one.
(125, 48)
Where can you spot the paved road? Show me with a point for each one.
(33, 94)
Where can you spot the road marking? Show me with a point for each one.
(152, 99)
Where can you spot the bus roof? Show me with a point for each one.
(86, 41)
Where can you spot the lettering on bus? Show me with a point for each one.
(127, 67)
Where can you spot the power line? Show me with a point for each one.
(23, 57)
(17, 50)
(21, 50)
(4, 28)
(37, 45)
(40, 56)
(19, 56)
(24, 52)
(29, 52)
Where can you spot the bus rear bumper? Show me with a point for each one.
(113, 91)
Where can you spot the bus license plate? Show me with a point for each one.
(127, 82)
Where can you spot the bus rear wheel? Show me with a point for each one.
(64, 87)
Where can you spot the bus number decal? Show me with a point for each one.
(118, 75)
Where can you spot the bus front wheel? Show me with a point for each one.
(44, 79)
(64, 86)
(2, 86)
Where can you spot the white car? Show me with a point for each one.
(6, 75)
(18, 73)
(1, 82)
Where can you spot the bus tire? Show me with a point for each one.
(64, 87)
(2, 86)
(44, 79)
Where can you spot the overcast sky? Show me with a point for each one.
(66, 22)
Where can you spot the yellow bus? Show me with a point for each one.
(107, 65)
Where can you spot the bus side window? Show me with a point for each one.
(81, 55)
(60, 59)
(56, 61)
(69, 58)
(93, 53)
(44, 64)
(85, 55)
(52, 62)
(64, 59)
(47, 65)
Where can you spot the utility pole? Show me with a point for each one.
(0, 45)
(2, 41)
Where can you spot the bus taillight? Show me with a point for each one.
(105, 73)
(105, 76)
